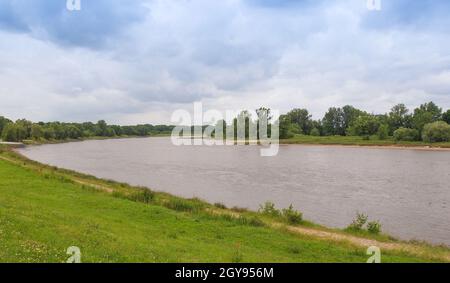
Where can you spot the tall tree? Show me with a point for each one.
(3, 122)
(446, 116)
(350, 114)
(302, 119)
(399, 117)
(425, 114)
(334, 122)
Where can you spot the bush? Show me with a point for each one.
(9, 133)
(292, 216)
(436, 132)
(220, 205)
(359, 222)
(256, 222)
(406, 134)
(374, 227)
(315, 132)
(143, 195)
(182, 205)
(269, 209)
(383, 132)
(239, 209)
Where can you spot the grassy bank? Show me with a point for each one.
(359, 141)
(44, 210)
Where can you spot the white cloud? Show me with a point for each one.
(229, 54)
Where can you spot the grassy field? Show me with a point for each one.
(45, 210)
(359, 141)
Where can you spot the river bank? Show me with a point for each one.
(159, 227)
(361, 142)
(347, 141)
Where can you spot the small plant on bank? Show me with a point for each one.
(256, 222)
(220, 205)
(239, 209)
(359, 222)
(143, 195)
(292, 216)
(183, 205)
(374, 227)
(268, 208)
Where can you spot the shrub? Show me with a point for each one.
(256, 222)
(383, 132)
(182, 205)
(143, 195)
(359, 222)
(315, 132)
(292, 216)
(374, 227)
(268, 208)
(406, 134)
(436, 132)
(220, 205)
(239, 209)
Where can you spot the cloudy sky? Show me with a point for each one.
(135, 61)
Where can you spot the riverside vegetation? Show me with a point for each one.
(44, 210)
(427, 125)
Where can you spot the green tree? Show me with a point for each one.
(9, 133)
(446, 117)
(3, 122)
(302, 119)
(399, 117)
(49, 133)
(436, 132)
(365, 125)
(73, 132)
(37, 132)
(102, 128)
(406, 134)
(23, 129)
(350, 114)
(287, 128)
(334, 122)
(425, 114)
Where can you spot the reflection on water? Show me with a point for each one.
(407, 190)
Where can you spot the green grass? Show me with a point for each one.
(359, 141)
(43, 211)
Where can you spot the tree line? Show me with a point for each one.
(21, 130)
(427, 123)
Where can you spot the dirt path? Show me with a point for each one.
(357, 241)
(364, 242)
